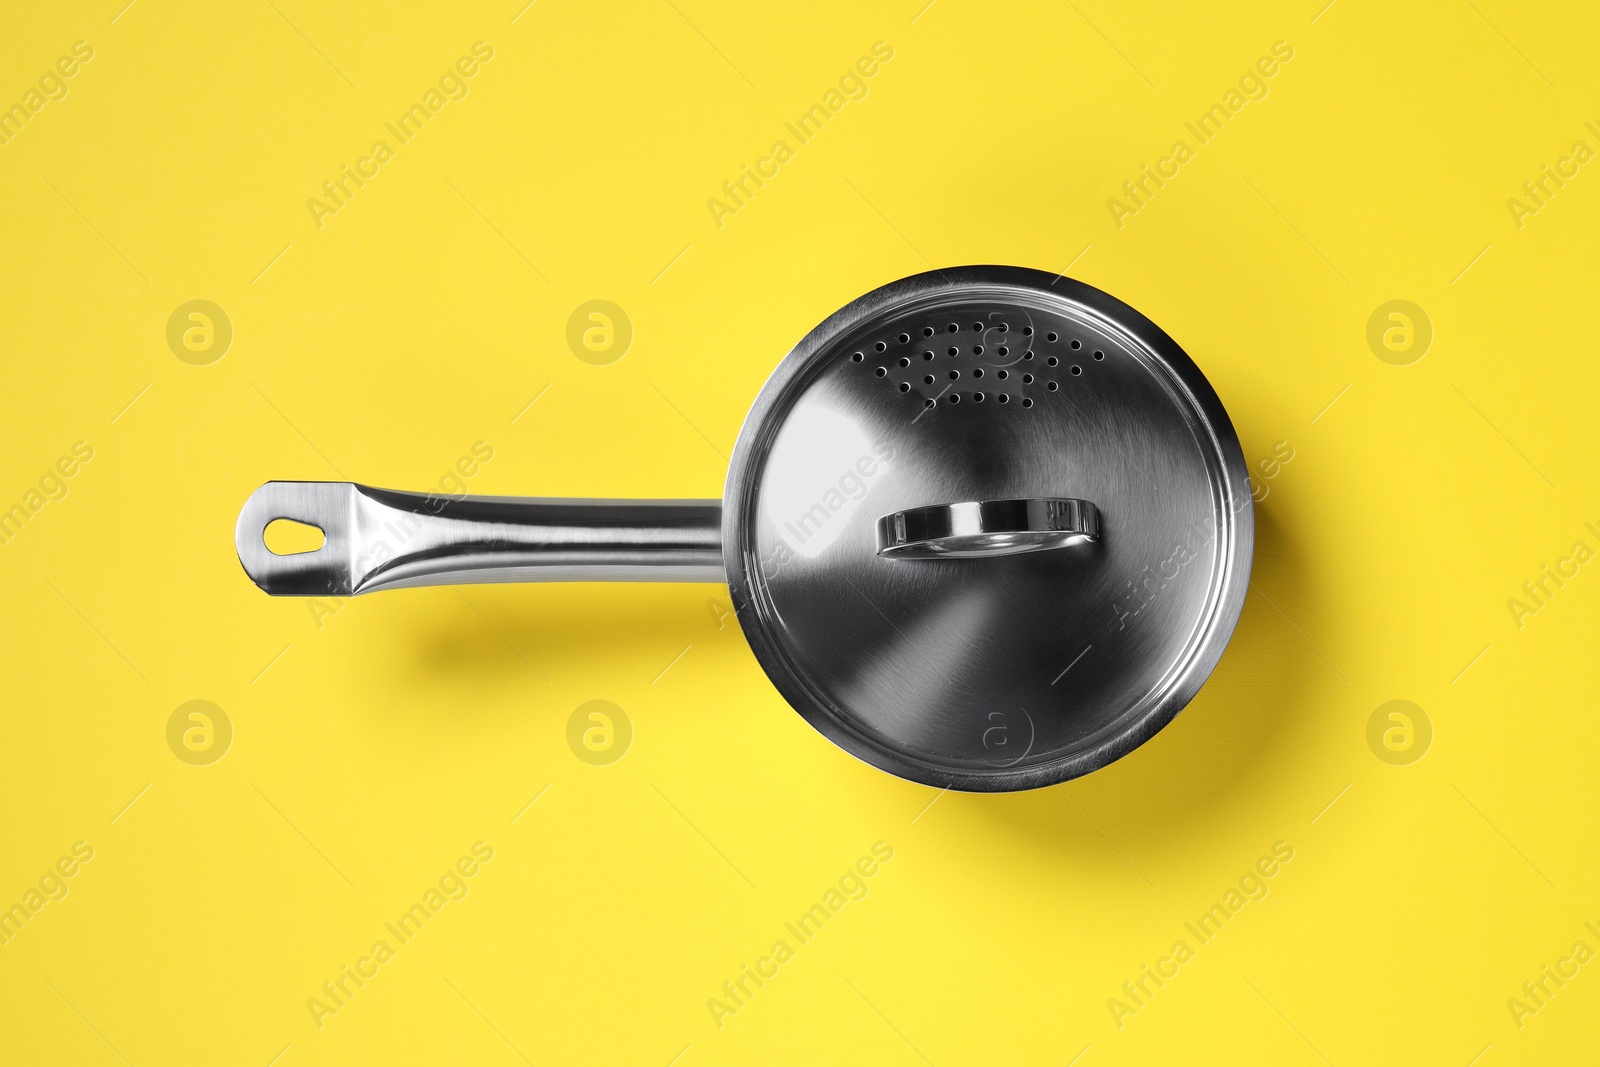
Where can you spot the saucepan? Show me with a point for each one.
(986, 528)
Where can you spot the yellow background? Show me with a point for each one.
(372, 750)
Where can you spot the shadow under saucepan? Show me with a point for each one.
(1155, 806)
(563, 632)
(1157, 803)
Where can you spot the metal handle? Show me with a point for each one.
(987, 528)
(385, 539)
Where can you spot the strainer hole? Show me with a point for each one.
(1076, 369)
(1051, 337)
(1004, 327)
(1052, 387)
(905, 361)
(1076, 343)
(953, 327)
(882, 347)
(955, 375)
(955, 351)
(1003, 398)
(978, 327)
(858, 357)
(927, 331)
(955, 398)
(977, 372)
(977, 398)
(977, 350)
(1002, 375)
(928, 354)
(905, 387)
(1027, 355)
(1099, 355)
(928, 380)
(928, 403)
(905, 338)
(1003, 350)
(1052, 361)
(1027, 379)
(1027, 402)
(883, 372)
(1027, 331)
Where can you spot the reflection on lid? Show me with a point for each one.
(820, 469)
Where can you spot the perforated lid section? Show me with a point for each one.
(998, 359)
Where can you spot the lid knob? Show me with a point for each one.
(987, 528)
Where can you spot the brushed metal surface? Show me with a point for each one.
(1007, 671)
(386, 539)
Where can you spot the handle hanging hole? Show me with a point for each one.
(288, 537)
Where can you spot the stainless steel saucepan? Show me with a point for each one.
(986, 528)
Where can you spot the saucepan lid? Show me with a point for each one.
(988, 528)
